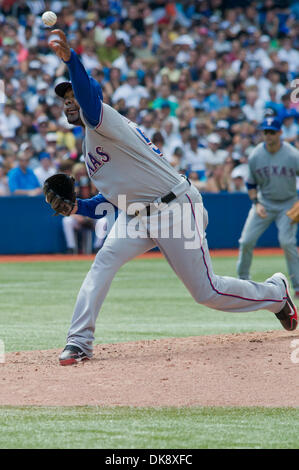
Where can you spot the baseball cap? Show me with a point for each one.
(132, 74)
(240, 171)
(43, 155)
(42, 119)
(35, 64)
(222, 124)
(42, 86)
(214, 139)
(62, 87)
(51, 137)
(220, 83)
(264, 38)
(271, 124)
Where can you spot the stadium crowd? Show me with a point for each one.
(198, 77)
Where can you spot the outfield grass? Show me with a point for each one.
(146, 301)
(166, 428)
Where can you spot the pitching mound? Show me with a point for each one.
(253, 369)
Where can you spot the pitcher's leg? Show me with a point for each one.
(287, 240)
(194, 268)
(114, 253)
(254, 227)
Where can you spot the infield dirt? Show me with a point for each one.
(250, 369)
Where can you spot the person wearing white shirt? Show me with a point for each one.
(194, 159)
(9, 121)
(171, 138)
(213, 155)
(262, 53)
(254, 107)
(290, 128)
(45, 168)
(131, 92)
(290, 55)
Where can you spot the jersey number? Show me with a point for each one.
(149, 143)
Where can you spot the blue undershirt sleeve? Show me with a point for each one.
(95, 207)
(87, 90)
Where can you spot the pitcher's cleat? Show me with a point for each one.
(288, 315)
(72, 355)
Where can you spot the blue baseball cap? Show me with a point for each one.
(271, 124)
(220, 82)
(43, 155)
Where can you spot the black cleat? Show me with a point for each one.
(287, 316)
(72, 355)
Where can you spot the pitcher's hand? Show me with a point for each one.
(60, 46)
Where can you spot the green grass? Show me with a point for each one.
(146, 301)
(142, 428)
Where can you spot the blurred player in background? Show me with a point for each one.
(273, 167)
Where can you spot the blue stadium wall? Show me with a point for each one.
(28, 226)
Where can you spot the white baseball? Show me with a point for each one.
(49, 18)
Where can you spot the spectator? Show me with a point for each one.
(9, 121)
(194, 159)
(45, 168)
(220, 98)
(238, 178)
(177, 160)
(147, 124)
(22, 180)
(213, 156)
(171, 138)
(165, 97)
(289, 54)
(4, 189)
(290, 128)
(75, 224)
(131, 91)
(173, 70)
(222, 129)
(217, 181)
(39, 140)
(254, 107)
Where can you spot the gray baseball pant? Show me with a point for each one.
(255, 226)
(192, 265)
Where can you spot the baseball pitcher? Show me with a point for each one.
(132, 174)
(273, 167)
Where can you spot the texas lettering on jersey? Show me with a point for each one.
(95, 161)
(267, 171)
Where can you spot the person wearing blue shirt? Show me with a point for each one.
(22, 180)
(220, 98)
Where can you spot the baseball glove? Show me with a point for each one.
(293, 213)
(59, 191)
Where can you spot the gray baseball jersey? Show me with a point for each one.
(275, 177)
(120, 159)
(274, 174)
